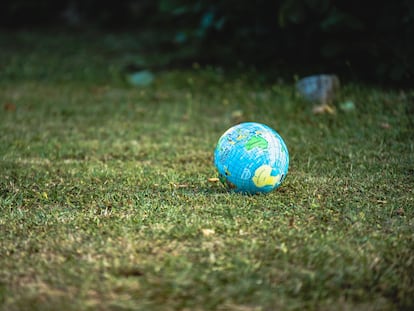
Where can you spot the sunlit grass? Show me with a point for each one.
(106, 204)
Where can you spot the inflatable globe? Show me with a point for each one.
(251, 158)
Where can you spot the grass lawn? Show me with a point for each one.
(105, 202)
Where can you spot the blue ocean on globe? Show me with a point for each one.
(251, 158)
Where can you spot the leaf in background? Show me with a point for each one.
(340, 20)
(207, 20)
(141, 78)
(180, 37)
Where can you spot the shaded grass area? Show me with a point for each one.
(105, 202)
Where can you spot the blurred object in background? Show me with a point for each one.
(370, 43)
(320, 90)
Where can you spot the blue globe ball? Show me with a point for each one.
(251, 158)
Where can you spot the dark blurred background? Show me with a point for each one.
(369, 40)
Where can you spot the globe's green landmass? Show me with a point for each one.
(256, 141)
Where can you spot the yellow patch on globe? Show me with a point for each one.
(262, 177)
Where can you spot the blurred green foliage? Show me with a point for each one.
(372, 41)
